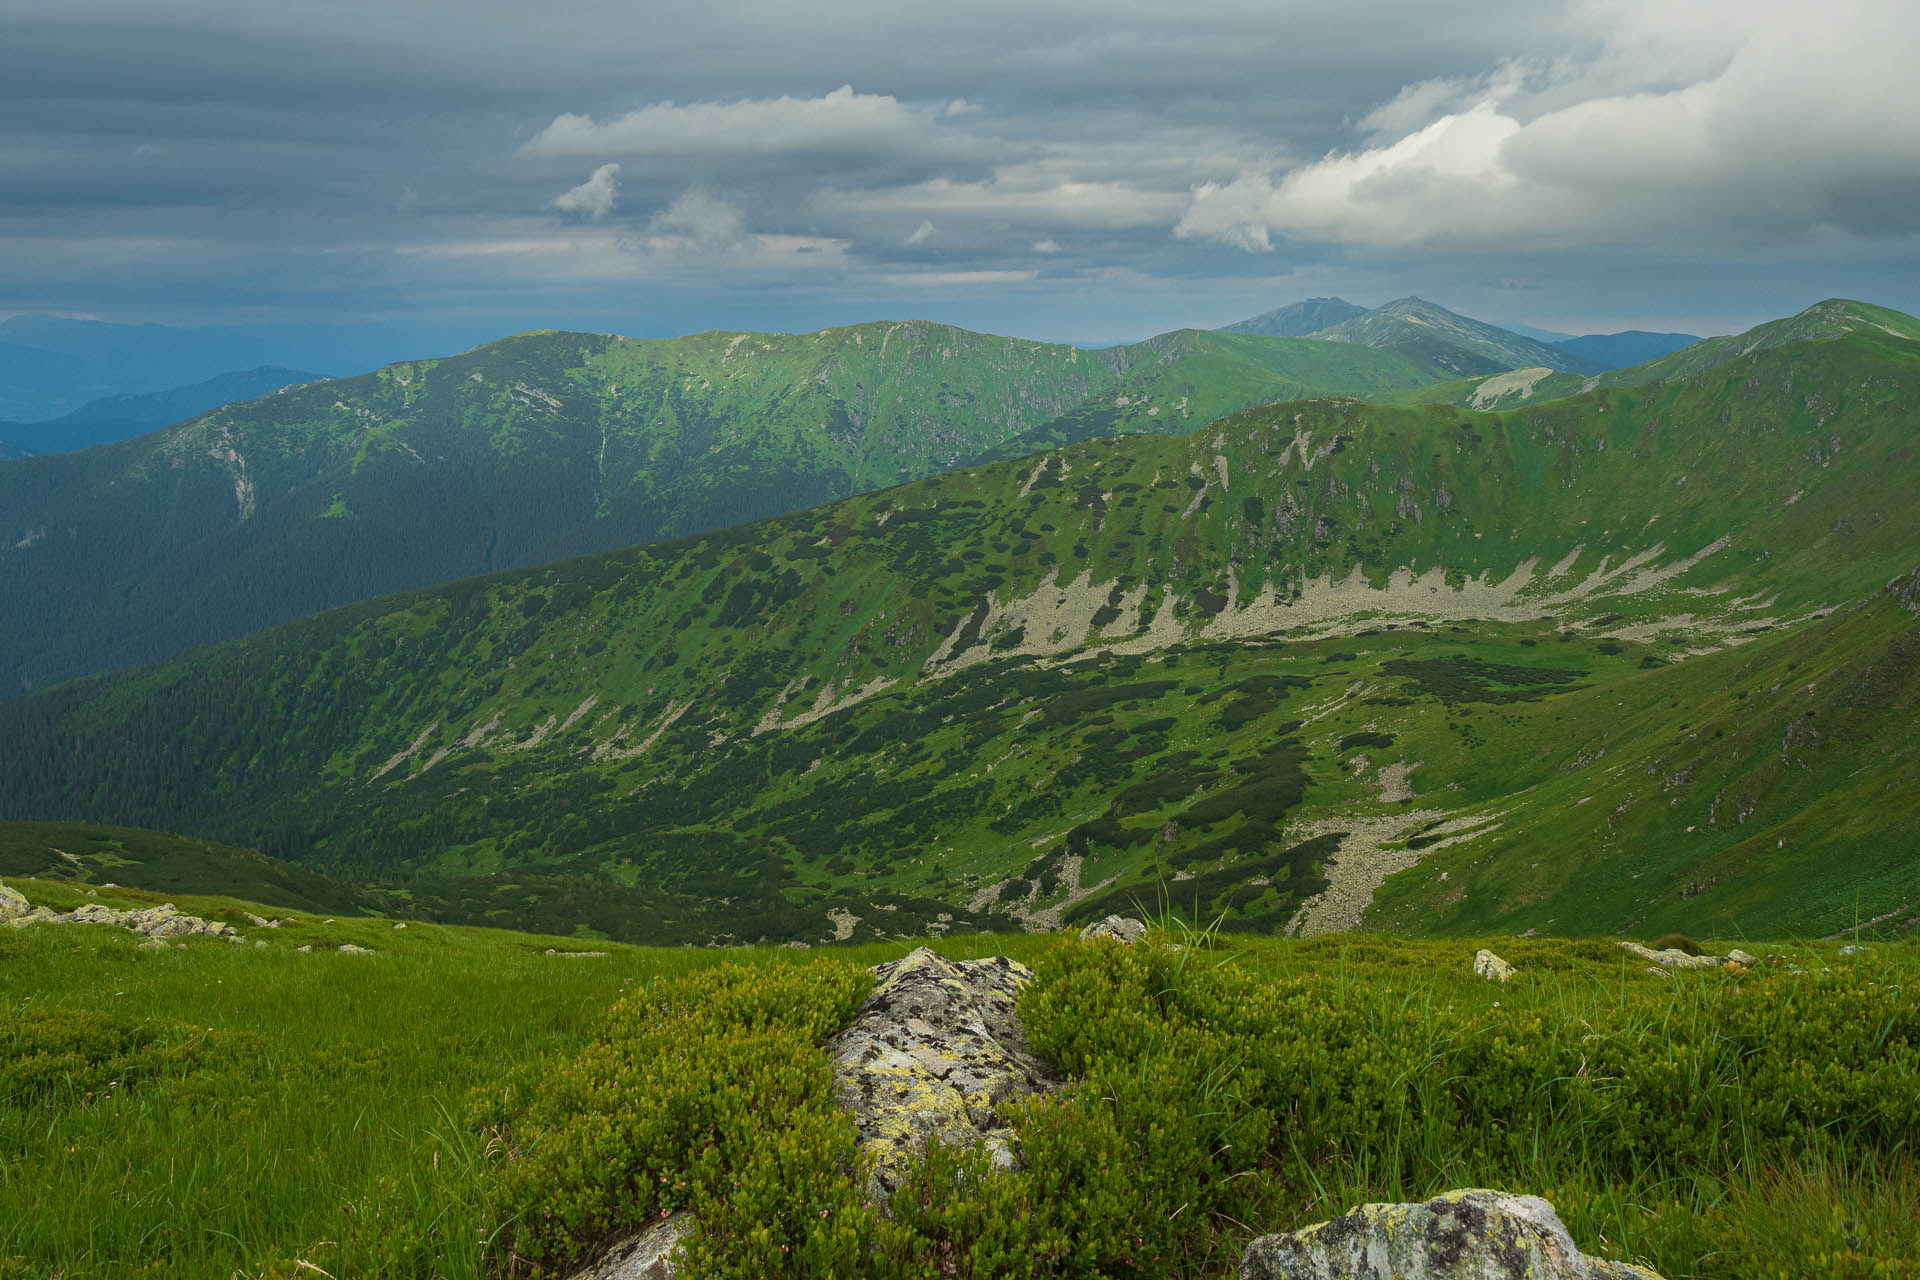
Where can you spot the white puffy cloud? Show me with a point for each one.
(1691, 124)
(593, 198)
(922, 233)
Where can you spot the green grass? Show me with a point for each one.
(222, 1109)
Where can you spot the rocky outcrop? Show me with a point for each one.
(1461, 1235)
(1119, 928)
(928, 1057)
(654, 1254)
(163, 923)
(1492, 967)
(1674, 958)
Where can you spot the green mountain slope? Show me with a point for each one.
(1462, 346)
(543, 446)
(150, 860)
(1833, 318)
(1258, 669)
(1298, 319)
(1195, 377)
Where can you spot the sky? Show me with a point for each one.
(443, 172)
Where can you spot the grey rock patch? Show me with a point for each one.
(1119, 928)
(576, 955)
(1492, 967)
(933, 1050)
(347, 948)
(1460, 1235)
(654, 1254)
(163, 922)
(1674, 958)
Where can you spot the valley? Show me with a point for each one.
(1318, 664)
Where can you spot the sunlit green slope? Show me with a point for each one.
(1259, 668)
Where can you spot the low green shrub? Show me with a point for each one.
(706, 1092)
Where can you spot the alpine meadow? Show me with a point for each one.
(681, 645)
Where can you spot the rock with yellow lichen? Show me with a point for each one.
(931, 1054)
(1461, 1235)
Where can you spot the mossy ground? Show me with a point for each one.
(225, 1109)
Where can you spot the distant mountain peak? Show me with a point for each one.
(1298, 319)
(1460, 344)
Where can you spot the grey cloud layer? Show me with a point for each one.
(381, 151)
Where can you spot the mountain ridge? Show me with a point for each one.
(549, 444)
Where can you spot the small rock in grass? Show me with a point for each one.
(1673, 957)
(1460, 1235)
(348, 948)
(13, 904)
(654, 1254)
(1492, 967)
(1119, 928)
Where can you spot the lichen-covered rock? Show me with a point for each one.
(1492, 967)
(930, 1054)
(1461, 1235)
(1674, 958)
(1119, 928)
(13, 904)
(654, 1254)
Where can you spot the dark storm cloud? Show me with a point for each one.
(1076, 166)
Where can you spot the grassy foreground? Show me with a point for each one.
(463, 1102)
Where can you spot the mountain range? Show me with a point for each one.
(120, 417)
(1639, 657)
(547, 445)
(1462, 345)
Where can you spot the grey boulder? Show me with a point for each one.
(1460, 1235)
(654, 1254)
(932, 1051)
(1119, 928)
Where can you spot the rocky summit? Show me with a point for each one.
(1462, 1235)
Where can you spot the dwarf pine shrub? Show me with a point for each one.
(1225, 1088)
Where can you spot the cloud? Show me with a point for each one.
(1046, 246)
(593, 198)
(922, 233)
(842, 122)
(1787, 129)
(701, 221)
(962, 278)
(1027, 196)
